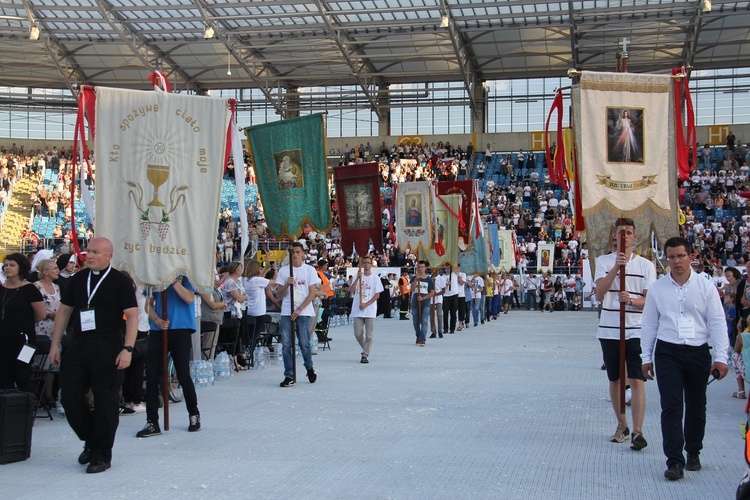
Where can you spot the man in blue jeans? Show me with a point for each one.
(180, 325)
(422, 290)
(302, 283)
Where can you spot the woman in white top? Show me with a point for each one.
(233, 295)
(256, 284)
(48, 271)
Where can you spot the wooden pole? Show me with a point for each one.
(291, 311)
(165, 362)
(623, 286)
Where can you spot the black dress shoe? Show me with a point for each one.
(84, 457)
(674, 472)
(98, 466)
(693, 462)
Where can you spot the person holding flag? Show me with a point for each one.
(422, 290)
(303, 281)
(640, 274)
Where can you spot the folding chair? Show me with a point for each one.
(321, 329)
(210, 337)
(229, 337)
(40, 374)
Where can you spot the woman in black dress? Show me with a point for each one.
(21, 306)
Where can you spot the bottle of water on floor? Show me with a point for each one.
(221, 370)
(59, 406)
(266, 356)
(209, 374)
(257, 358)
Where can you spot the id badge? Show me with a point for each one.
(88, 320)
(27, 352)
(686, 327)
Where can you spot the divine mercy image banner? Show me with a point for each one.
(625, 135)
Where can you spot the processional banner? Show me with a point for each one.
(466, 190)
(545, 257)
(626, 156)
(477, 258)
(414, 216)
(358, 200)
(159, 163)
(506, 259)
(447, 228)
(290, 166)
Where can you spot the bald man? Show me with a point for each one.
(96, 356)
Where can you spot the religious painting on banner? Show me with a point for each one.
(626, 160)
(159, 167)
(359, 205)
(447, 229)
(290, 166)
(545, 257)
(505, 249)
(466, 190)
(413, 216)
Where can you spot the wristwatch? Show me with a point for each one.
(128, 348)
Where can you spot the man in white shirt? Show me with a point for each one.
(682, 313)
(639, 275)
(303, 285)
(436, 311)
(463, 321)
(365, 293)
(477, 287)
(530, 284)
(508, 285)
(453, 283)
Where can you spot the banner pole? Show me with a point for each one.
(291, 309)
(165, 362)
(621, 248)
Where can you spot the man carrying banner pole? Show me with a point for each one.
(296, 287)
(639, 274)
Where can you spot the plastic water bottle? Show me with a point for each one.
(314, 343)
(266, 361)
(278, 352)
(257, 358)
(194, 373)
(221, 370)
(59, 406)
(209, 373)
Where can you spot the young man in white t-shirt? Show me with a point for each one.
(303, 286)
(639, 275)
(365, 292)
(436, 311)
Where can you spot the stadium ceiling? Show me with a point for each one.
(282, 45)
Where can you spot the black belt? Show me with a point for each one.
(684, 347)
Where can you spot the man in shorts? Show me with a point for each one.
(639, 275)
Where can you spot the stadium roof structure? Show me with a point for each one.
(282, 45)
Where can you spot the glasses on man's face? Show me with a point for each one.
(678, 256)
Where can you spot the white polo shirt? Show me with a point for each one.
(371, 285)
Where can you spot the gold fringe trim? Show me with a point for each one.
(644, 88)
(649, 204)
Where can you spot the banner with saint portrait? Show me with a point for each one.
(160, 160)
(624, 134)
(360, 212)
(290, 167)
(414, 216)
(466, 190)
(545, 257)
(503, 251)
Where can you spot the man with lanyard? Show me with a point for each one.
(436, 310)
(640, 274)
(682, 313)
(303, 284)
(366, 290)
(530, 284)
(96, 357)
(423, 288)
(450, 298)
(180, 325)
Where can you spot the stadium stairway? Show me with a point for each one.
(17, 216)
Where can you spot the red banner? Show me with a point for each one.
(360, 210)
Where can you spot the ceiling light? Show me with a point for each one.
(705, 6)
(33, 33)
(444, 21)
(208, 32)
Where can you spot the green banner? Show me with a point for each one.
(290, 167)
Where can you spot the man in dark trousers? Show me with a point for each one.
(96, 357)
(180, 325)
(683, 312)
